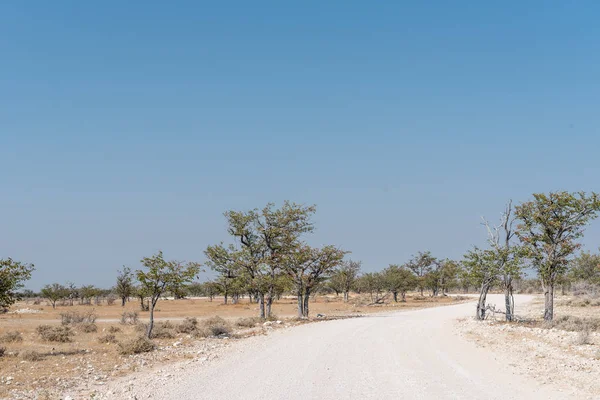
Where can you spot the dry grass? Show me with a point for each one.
(11, 337)
(249, 322)
(573, 324)
(189, 325)
(108, 338)
(61, 334)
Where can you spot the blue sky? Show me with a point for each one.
(129, 127)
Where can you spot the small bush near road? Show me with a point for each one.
(31, 355)
(141, 344)
(214, 326)
(11, 337)
(61, 334)
(163, 330)
(189, 325)
(114, 329)
(247, 322)
(573, 324)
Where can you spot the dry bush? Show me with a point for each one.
(419, 298)
(61, 334)
(583, 337)
(88, 327)
(141, 327)
(2, 351)
(213, 326)
(573, 324)
(129, 318)
(11, 337)
(163, 330)
(74, 317)
(586, 289)
(189, 325)
(108, 338)
(31, 355)
(584, 301)
(249, 322)
(110, 300)
(141, 344)
(114, 329)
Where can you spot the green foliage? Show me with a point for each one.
(160, 276)
(585, 267)
(422, 265)
(124, 287)
(12, 275)
(399, 280)
(54, 292)
(550, 226)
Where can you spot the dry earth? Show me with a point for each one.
(552, 356)
(414, 354)
(84, 366)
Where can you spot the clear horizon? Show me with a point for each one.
(128, 129)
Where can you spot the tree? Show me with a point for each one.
(124, 287)
(482, 267)
(221, 260)
(508, 256)
(549, 228)
(87, 293)
(263, 238)
(585, 268)
(162, 275)
(399, 280)
(54, 292)
(422, 265)
(373, 283)
(308, 267)
(346, 275)
(12, 275)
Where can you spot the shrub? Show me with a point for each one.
(214, 326)
(2, 351)
(129, 318)
(114, 329)
(141, 327)
(88, 327)
(573, 324)
(31, 355)
(135, 346)
(108, 338)
(583, 337)
(247, 322)
(61, 334)
(162, 331)
(585, 289)
(189, 325)
(74, 317)
(110, 300)
(11, 337)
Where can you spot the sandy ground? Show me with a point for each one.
(413, 354)
(87, 364)
(554, 357)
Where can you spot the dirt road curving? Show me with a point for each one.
(413, 355)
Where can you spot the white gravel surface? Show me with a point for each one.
(412, 354)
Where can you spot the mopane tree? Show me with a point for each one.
(222, 260)
(54, 292)
(12, 275)
(308, 267)
(585, 268)
(549, 228)
(124, 287)
(422, 264)
(263, 238)
(374, 284)
(508, 255)
(482, 266)
(345, 277)
(160, 275)
(399, 280)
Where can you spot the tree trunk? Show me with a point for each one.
(123, 299)
(345, 296)
(509, 302)
(225, 296)
(395, 296)
(151, 323)
(549, 301)
(261, 305)
(269, 304)
(403, 297)
(306, 298)
(300, 304)
(421, 291)
(485, 287)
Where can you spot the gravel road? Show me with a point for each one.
(412, 355)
